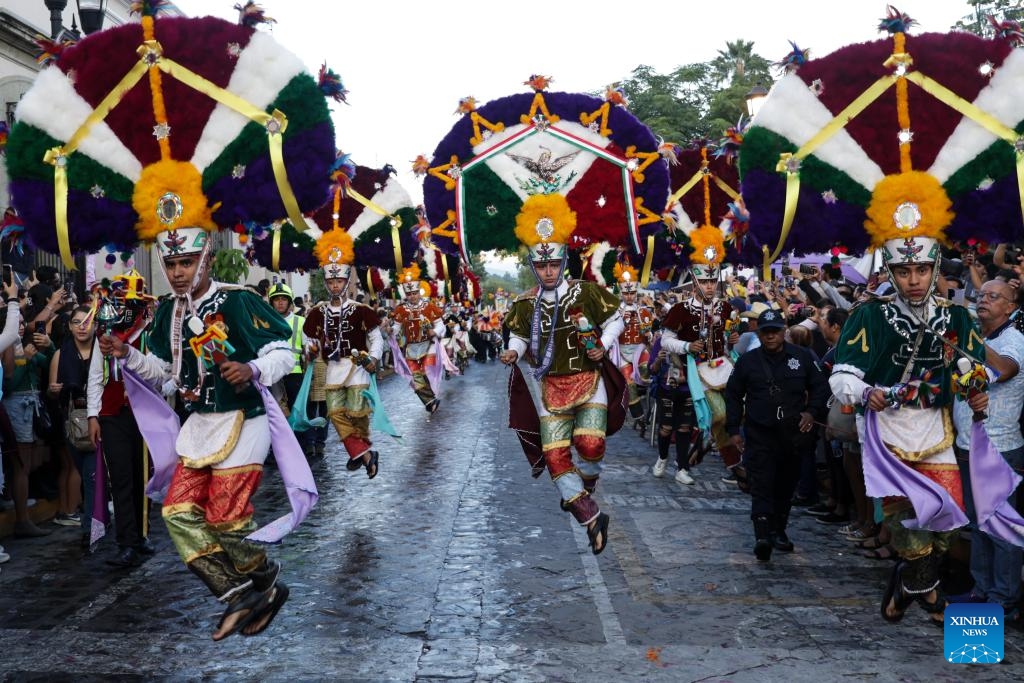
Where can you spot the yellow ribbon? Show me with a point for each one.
(58, 157)
(396, 223)
(852, 110)
(369, 281)
(724, 187)
(979, 116)
(645, 274)
(275, 251)
(686, 187)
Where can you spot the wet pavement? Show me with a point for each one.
(455, 565)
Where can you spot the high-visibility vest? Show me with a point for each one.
(297, 347)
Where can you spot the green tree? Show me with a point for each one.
(977, 21)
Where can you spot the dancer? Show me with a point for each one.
(348, 338)
(633, 351)
(419, 323)
(695, 329)
(554, 327)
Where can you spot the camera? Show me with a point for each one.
(40, 327)
(1014, 253)
(785, 270)
(808, 269)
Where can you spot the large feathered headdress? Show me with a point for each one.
(897, 145)
(135, 134)
(545, 170)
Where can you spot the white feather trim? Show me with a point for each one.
(597, 260)
(795, 113)
(431, 258)
(263, 69)
(53, 106)
(312, 229)
(851, 369)
(683, 220)
(1000, 98)
(391, 198)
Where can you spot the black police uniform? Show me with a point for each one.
(767, 392)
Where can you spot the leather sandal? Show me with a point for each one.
(270, 610)
(371, 466)
(253, 601)
(600, 528)
(934, 609)
(354, 464)
(894, 593)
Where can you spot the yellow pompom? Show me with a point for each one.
(335, 246)
(708, 245)
(410, 273)
(912, 204)
(625, 273)
(169, 195)
(545, 218)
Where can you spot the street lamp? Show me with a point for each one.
(91, 13)
(755, 98)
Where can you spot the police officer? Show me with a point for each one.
(281, 298)
(777, 392)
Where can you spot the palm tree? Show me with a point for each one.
(731, 63)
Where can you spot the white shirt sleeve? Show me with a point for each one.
(10, 332)
(153, 370)
(275, 360)
(848, 384)
(517, 344)
(94, 386)
(673, 344)
(612, 328)
(439, 328)
(375, 342)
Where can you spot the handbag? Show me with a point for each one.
(76, 427)
(842, 421)
(42, 425)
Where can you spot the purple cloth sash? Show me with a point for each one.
(401, 367)
(159, 426)
(887, 475)
(435, 372)
(291, 463)
(992, 482)
(100, 513)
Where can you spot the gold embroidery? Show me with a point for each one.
(863, 337)
(259, 322)
(970, 340)
(947, 441)
(224, 451)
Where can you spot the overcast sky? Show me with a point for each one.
(406, 64)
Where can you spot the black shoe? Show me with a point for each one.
(833, 518)
(126, 558)
(146, 548)
(763, 549)
(802, 501)
(354, 464)
(819, 510)
(780, 541)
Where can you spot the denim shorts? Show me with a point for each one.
(21, 409)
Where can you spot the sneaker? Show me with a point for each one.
(4, 557)
(833, 518)
(730, 479)
(659, 467)
(67, 519)
(683, 477)
(819, 510)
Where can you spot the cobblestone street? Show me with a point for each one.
(455, 565)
